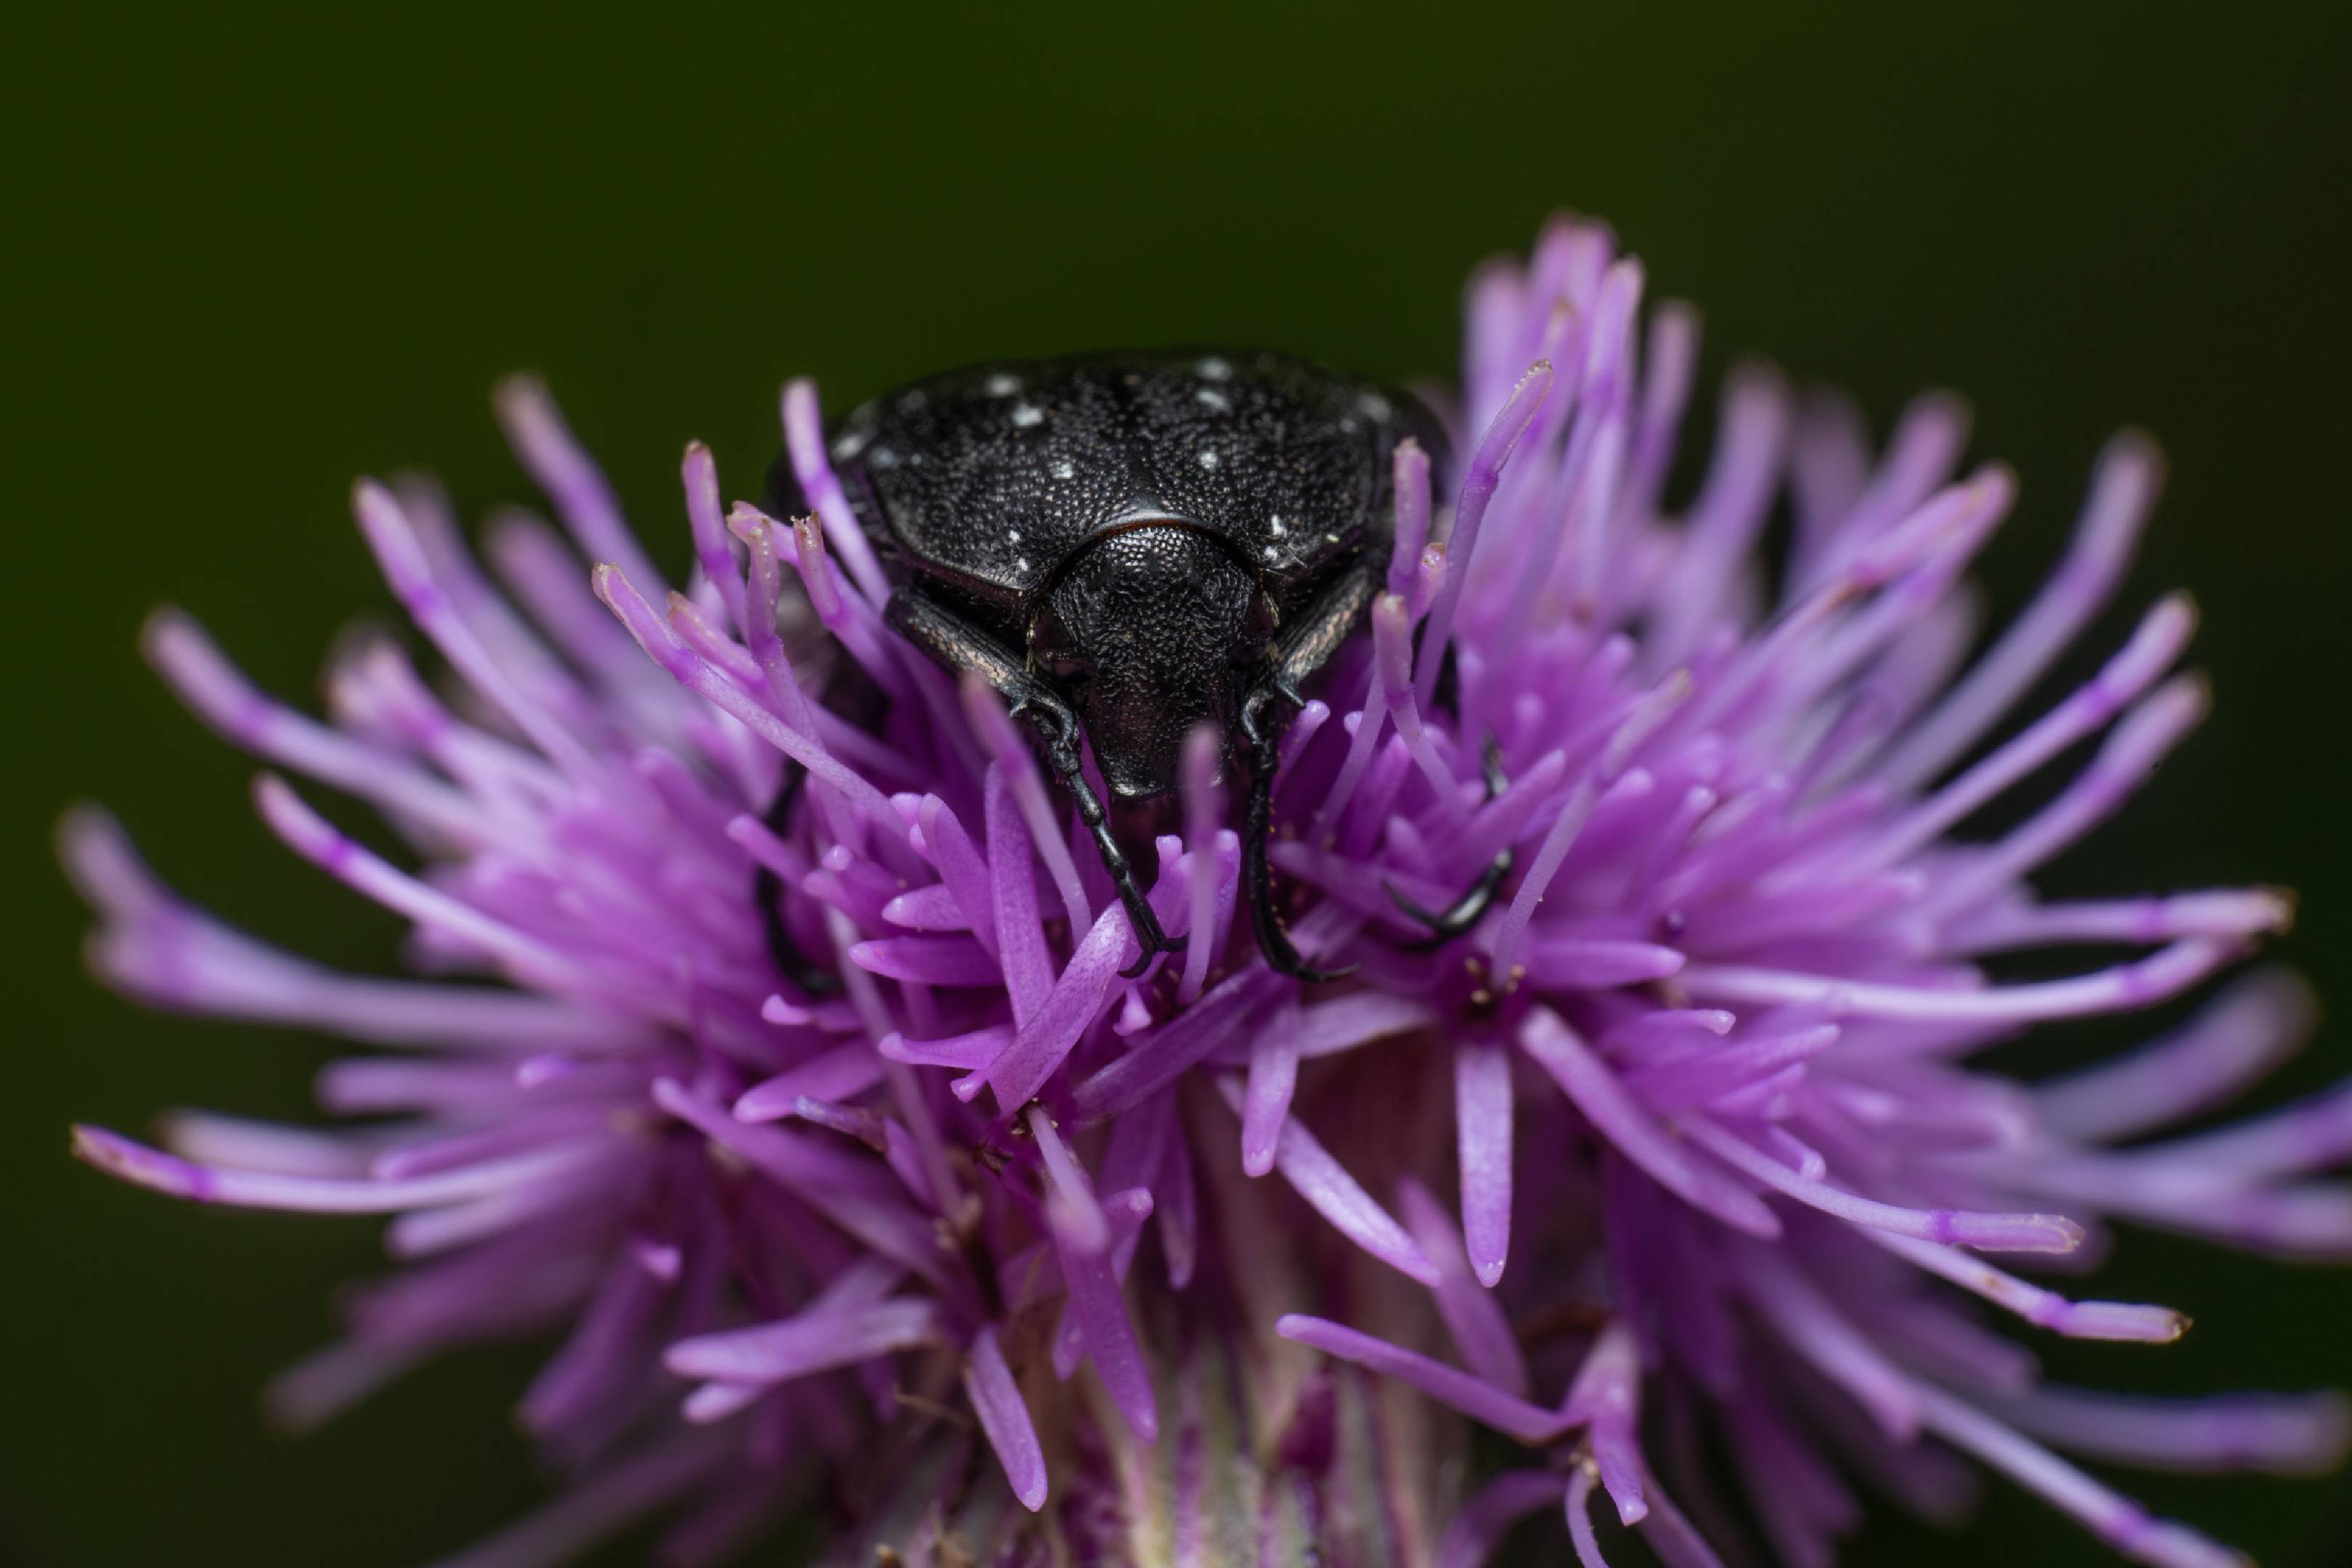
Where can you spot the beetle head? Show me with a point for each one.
(1149, 629)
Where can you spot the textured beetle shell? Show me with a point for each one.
(994, 477)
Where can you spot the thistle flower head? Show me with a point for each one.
(1672, 950)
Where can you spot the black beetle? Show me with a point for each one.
(1127, 545)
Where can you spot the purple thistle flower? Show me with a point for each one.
(1699, 1079)
(1732, 997)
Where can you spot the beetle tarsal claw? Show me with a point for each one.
(1491, 757)
(1398, 897)
(1285, 959)
(1153, 944)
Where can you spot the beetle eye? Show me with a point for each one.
(1052, 649)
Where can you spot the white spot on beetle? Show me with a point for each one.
(851, 443)
(1272, 553)
(1214, 369)
(1374, 405)
(1027, 415)
(1348, 423)
(1211, 398)
(883, 457)
(1209, 457)
(1021, 564)
(1001, 386)
(1274, 525)
(1062, 470)
(1012, 535)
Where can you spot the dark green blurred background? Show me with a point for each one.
(244, 259)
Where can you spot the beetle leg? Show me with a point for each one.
(1264, 734)
(1302, 647)
(1471, 908)
(767, 893)
(1054, 720)
(958, 645)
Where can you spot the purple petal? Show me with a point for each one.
(1161, 1057)
(2044, 1309)
(1080, 1218)
(1672, 1538)
(815, 1341)
(1004, 1417)
(1266, 1101)
(836, 1185)
(961, 869)
(843, 1073)
(967, 1052)
(929, 960)
(931, 909)
(804, 441)
(1019, 940)
(1990, 1232)
(1481, 1523)
(1054, 1028)
(2293, 1435)
(1481, 1131)
(1335, 1194)
(1482, 1334)
(1476, 1398)
(142, 1166)
(1570, 963)
(1100, 1312)
(2124, 1525)
(599, 1505)
(1596, 1093)
(1578, 1503)
(1477, 490)
(1362, 1018)
(1177, 1209)
(1809, 1324)
(2130, 473)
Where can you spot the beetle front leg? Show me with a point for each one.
(766, 895)
(1471, 908)
(1305, 646)
(960, 646)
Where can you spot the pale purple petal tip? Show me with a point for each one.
(1004, 1417)
(1483, 1116)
